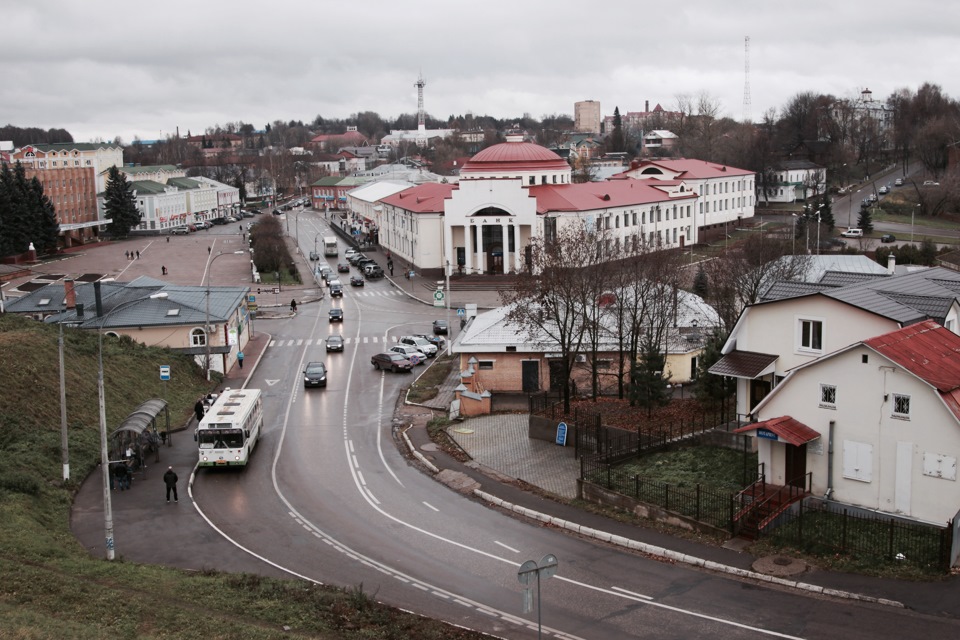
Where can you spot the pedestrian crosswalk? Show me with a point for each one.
(320, 342)
(360, 292)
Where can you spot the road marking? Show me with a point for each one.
(431, 507)
(631, 593)
(506, 547)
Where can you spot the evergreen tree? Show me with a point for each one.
(648, 386)
(45, 229)
(15, 219)
(617, 141)
(865, 221)
(826, 214)
(701, 283)
(712, 389)
(239, 183)
(119, 204)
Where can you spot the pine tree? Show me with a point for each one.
(119, 204)
(712, 389)
(826, 214)
(648, 386)
(865, 221)
(46, 228)
(701, 284)
(15, 219)
(617, 142)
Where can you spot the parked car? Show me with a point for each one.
(277, 212)
(180, 231)
(334, 342)
(229, 219)
(832, 244)
(888, 237)
(336, 289)
(412, 354)
(354, 258)
(884, 190)
(392, 361)
(315, 375)
(314, 255)
(852, 233)
(343, 267)
(219, 221)
(434, 340)
(931, 183)
(350, 252)
(373, 271)
(440, 327)
(204, 224)
(336, 315)
(898, 182)
(417, 342)
(356, 281)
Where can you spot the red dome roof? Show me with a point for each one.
(523, 156)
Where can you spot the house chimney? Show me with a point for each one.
(891, 264)
(98, 298)
(646, 106)
(69, 293)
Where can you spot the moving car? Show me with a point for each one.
(888, 237)
(336, 289)
(884, 190)
(931, 183)
(314, 255)
(440, 327)
(419, 343)
(335, 315)
(180, 231)
(412, 354)
(852, 233)
(392, 361)
(315, 375)
(898, 182)
(356, 281)
(334, 342)
(343, 267)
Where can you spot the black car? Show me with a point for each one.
(392, 361)
(336, 315)
(336, 290)
(440, 327)
(314, 255)
(888, 237)
(343, 267)
(315, 375)
(334, 342)
(356, 281)
(219, 221)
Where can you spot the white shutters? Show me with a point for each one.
(857, 460)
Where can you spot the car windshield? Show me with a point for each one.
(334, 339)
(314, 367)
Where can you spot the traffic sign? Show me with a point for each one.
(251, 298)
(438, 298)
(461, 312)
(562, 434)
(164, 372)
(415, 359)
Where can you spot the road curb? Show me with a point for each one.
(674, 556)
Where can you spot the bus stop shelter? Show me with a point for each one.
(138, 433)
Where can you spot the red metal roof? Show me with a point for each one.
(926, 350)
(688, 169)
(424, 198)
(599, 195)
(516, 156)
(786, 428)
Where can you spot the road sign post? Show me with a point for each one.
(438, 298)
(530, 569)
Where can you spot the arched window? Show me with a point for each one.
(198, 337)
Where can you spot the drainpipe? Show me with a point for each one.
(826, 496)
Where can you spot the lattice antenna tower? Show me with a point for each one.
(421, 118)
(746, 79)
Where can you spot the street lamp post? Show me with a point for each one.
(104, 451)
(912, 211)
(850, 211)
(206, 326)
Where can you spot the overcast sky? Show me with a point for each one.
(102, 69)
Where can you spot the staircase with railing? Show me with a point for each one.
(761, 503)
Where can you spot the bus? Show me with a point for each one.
(230, 428)
(330, 246)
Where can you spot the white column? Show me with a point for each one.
(481, 257)
(506, 248)
(467, 249)
(517, 260)
(447, 247)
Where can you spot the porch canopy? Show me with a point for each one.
(744, 364)
(784, 429)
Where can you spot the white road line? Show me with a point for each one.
(431, 507)
(506, 547)
(631, 593)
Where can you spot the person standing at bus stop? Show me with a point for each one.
(198, 409)
(170, 479)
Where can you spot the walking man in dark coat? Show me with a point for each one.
(170, 479)
(198, 409)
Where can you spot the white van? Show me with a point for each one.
(852, 233)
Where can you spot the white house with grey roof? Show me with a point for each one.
(792, 326)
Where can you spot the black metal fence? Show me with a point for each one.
(822, 528)
(698, 503)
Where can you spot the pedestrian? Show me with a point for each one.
(168, 238)
(198, 409)
(123, 475)
(240, 358)
(138, 254)
(163, 270)
(208, 250)
(170, 479)
(126, 254)
(163, 437)
(293, 306)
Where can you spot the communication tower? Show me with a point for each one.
(421, 119)
(746, 79)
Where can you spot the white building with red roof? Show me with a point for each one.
(514, 192)
(875, 425)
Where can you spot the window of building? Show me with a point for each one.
(901, 406)
(198, 338)
(828, 396)
(811, 335)
(533, 180)
(485, 365)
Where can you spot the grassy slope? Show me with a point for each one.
(51, 588)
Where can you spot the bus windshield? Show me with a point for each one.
(220, 438)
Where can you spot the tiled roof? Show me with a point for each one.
(844, 278)
(791, 289)
(168, 168)
(74, 146)
(786, 428)
(183, 183)
(689, 169)
(874, 295)
(743, 364)
(589, 196)
(934, 307)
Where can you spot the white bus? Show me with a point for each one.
(330, 246)
(230, 428)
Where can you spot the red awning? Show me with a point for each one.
(785, 428)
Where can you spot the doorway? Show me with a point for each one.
(530, 375)
(795, 465)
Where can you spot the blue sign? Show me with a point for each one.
(461, 312)
(164, 372)
(766, 433)
(562, 434)
(251, 298)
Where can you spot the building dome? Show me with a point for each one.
(512, 156)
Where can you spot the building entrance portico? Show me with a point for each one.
(489, 248)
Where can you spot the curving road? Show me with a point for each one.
(329, 497)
